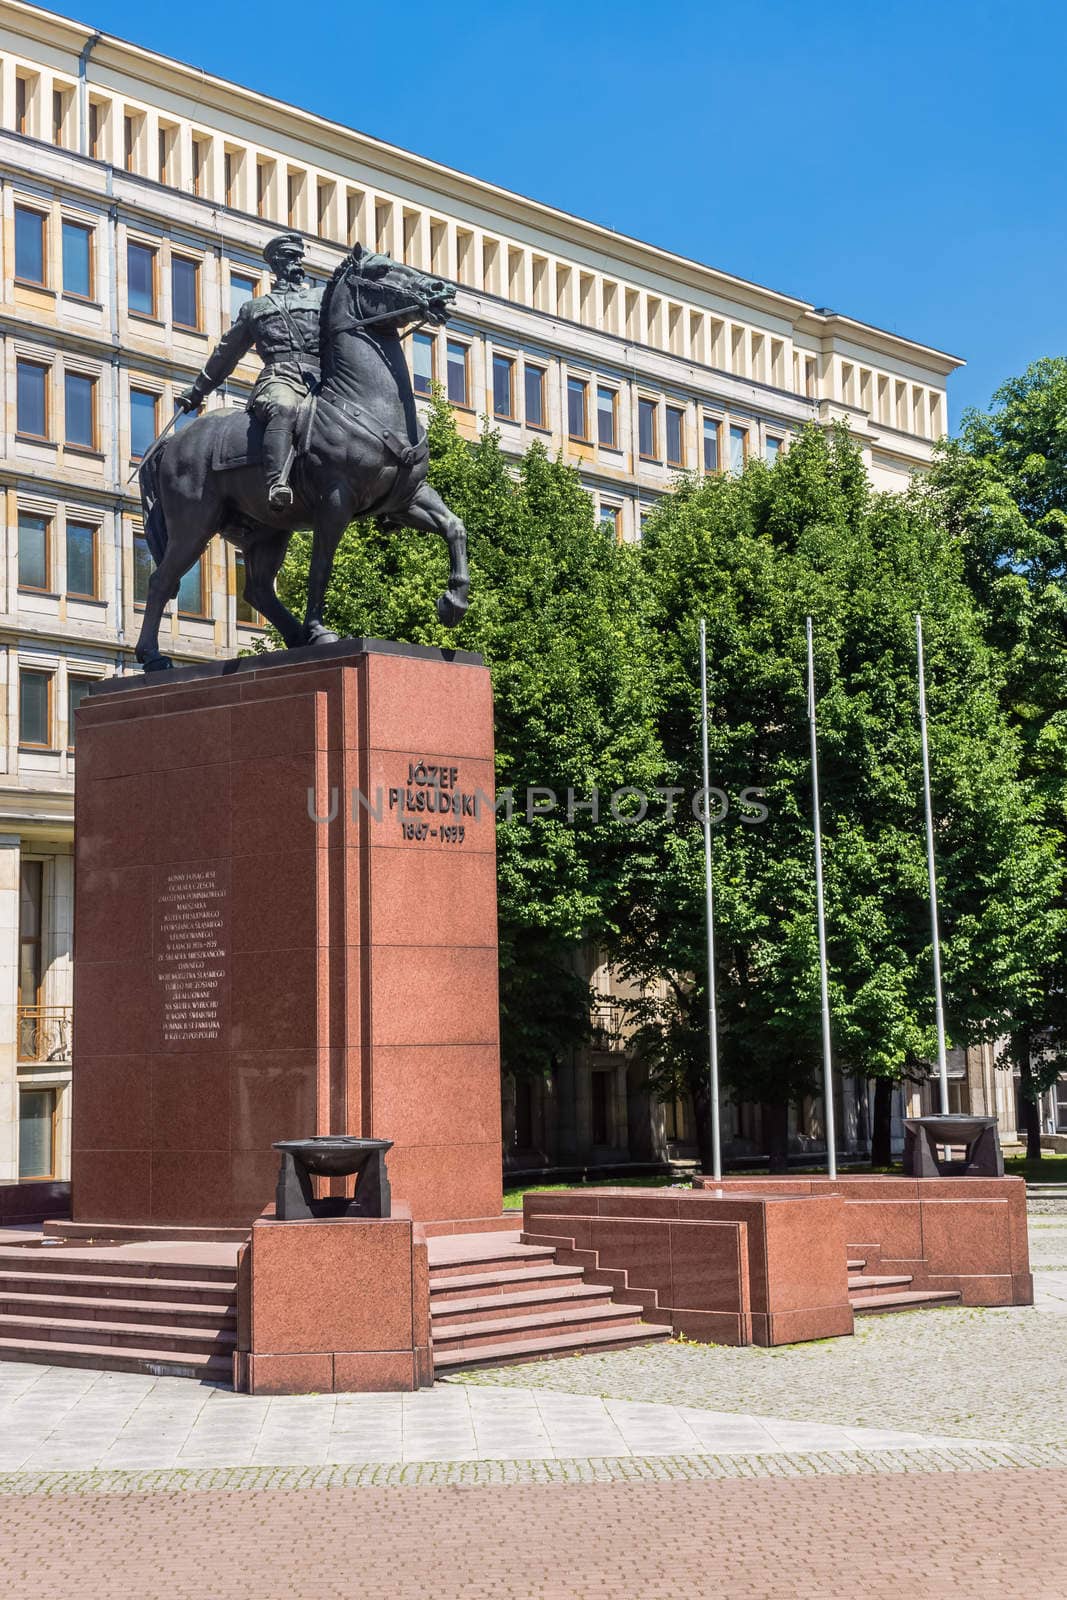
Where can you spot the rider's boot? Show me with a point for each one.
(277, 457)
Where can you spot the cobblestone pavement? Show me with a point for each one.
(996, 1374)
(678, 1469)
(812, 1539)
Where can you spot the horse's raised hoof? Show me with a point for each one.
(158, 664)
(317, 634)
(451, 610)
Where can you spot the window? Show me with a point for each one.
(35, 535)
(141, 279)
(31, 908)
(37, 1133)
(81, 560)
(165, 154)
(241, 289)
(246, 612)
(675, 432)
(143, 567)
(185, 292)
(229, 177)
(607, 407)
(129, 142)
(144, 420)
(61, 99)
(534, 382)
(79, 407)
(29, 245)
(646, 429)
(712, 431)
(95, 121)
(31, 399)
(200, 150)
(77, 689)
(22, 105)
(264, 174)
(773, 449)
(738, 448)
(77, 260)
(422, 363)
(457, 373)
(503, 386)
(191, 592)
(35, 708)
(611, 520)
(577, 422)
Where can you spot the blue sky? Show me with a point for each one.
(902, 162)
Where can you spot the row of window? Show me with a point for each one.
(50, 563)
(37, 707)
(660, 426)
(77, 267)
(252, 180)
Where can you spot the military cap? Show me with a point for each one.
(280, 240)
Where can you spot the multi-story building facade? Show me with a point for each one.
(137, 194)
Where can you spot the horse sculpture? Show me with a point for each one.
(360, 452)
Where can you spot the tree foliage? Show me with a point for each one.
(1000, 490)
(756, 554)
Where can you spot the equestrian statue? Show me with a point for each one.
(330, 433)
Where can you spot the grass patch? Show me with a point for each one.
(1051, 1168)
(513, 1197)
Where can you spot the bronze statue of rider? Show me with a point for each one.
(283, 329)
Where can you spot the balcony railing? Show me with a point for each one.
(606, 1021)
(44, 1033)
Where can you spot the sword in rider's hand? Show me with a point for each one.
(157, 442)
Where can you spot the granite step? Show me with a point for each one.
(502, 1258)
(145, 1313)
(110, 1358)
(164, 1339)
(72, 1259)
(543, 1348)
(479, 1284)
(904, 1300)
(141, 1233)
(189, 1291)
(446, 1313)
(524, 1326)
(861, 1286)
(857, 1265)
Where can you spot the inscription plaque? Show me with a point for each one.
(191, 955)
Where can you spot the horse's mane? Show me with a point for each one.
(340, 271)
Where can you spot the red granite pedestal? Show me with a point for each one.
(285, 924)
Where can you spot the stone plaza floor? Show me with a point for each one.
(928, 1451)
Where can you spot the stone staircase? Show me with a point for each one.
(495, 1300)
(872, 1293)
(113, 1310)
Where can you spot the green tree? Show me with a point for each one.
(1000, 490)
(552, 612)
(755, 554)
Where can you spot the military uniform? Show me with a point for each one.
(283, 329)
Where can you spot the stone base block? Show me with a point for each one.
(333, 1306)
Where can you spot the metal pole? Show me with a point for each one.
(939, 1007)
(824, 985)
(709, 913)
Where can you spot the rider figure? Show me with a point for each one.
(283, 328)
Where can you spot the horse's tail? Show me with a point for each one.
(155, 523)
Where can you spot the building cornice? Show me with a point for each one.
(162, 72)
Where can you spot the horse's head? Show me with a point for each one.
(389, 294)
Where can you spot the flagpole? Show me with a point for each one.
(939, 1006)
(709, 916)
(824, 986)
